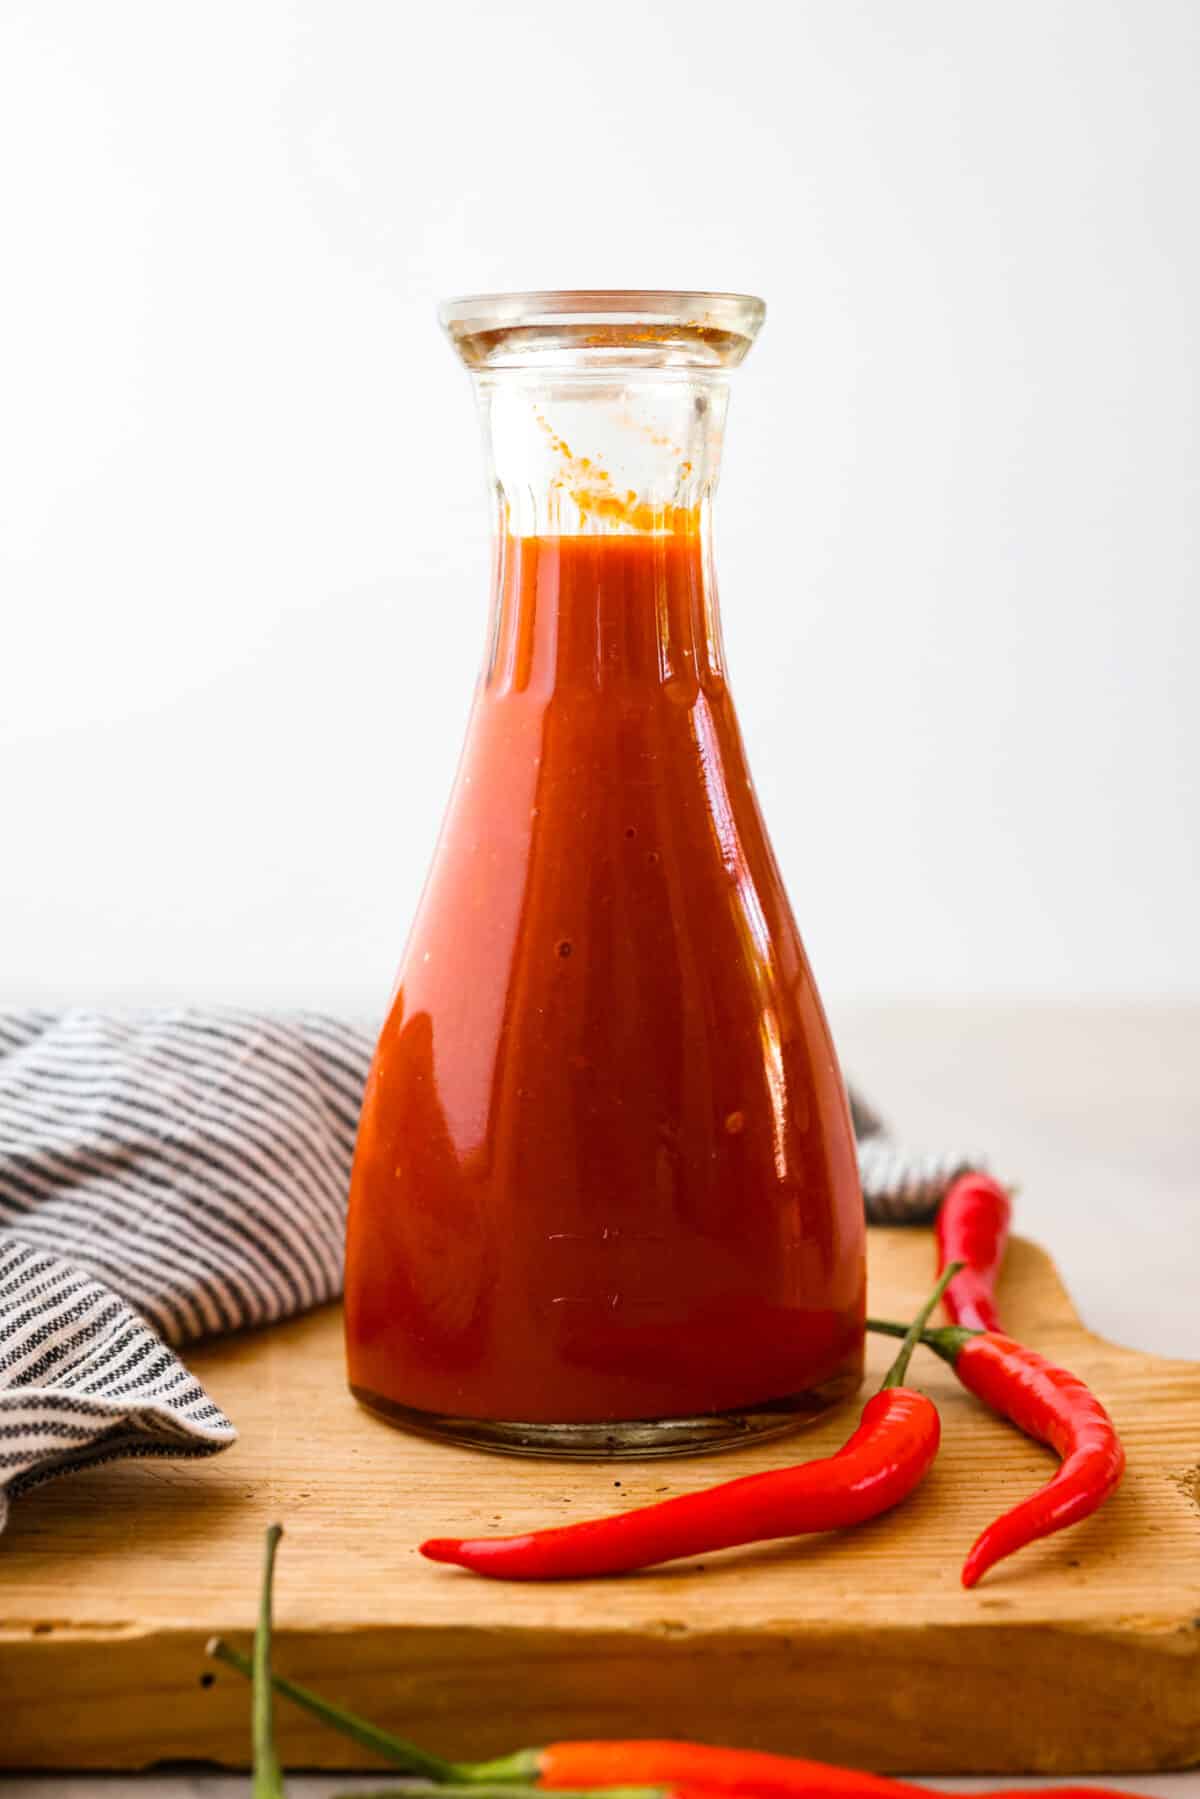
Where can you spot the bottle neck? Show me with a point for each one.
(603, 555)
(583, 454)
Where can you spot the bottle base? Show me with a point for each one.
(636, 1439)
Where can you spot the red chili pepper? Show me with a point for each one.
(889, 1453)
(1048, 1404)
(711, 1770)
(702, 1768)
(810, 1780)
(972, 1227)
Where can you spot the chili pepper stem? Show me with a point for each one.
(897, 1373)
(521, 1765)
(268, 1775)
(946, 1340)
(369, 1736)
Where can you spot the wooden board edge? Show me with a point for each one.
(904, 1700)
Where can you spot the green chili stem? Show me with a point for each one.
(368, 1736)
(912, 1336)
(948, 1340)
(268, 1775)
(521, 1765)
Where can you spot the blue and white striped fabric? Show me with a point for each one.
(163, 1177)
(174, 1174)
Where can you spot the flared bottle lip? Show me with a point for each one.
(603, 328)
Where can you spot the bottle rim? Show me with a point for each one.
(603, 328)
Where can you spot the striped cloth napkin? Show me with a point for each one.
(170, 1175)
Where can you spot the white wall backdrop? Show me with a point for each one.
(242, 525)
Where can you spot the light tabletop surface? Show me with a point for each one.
(1094, 1113)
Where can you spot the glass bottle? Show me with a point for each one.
(605, 1197)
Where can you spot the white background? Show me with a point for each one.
(242, 521)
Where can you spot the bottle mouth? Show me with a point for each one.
(603, 329)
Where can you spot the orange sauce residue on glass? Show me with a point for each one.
(596, 498)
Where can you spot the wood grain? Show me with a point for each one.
(1083, 1655)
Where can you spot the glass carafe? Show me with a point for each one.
(605, 1197)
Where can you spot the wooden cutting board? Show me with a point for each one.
(1084, 1654)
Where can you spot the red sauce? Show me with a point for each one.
(605, 1169)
